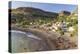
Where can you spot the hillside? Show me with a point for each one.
(33, 12)
(30, 15)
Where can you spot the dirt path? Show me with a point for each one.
(52, 40)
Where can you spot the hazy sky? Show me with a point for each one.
(45, 6)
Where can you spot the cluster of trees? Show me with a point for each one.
(28, 20)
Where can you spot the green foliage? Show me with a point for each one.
(38, 19)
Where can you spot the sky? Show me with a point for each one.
(51, 7)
